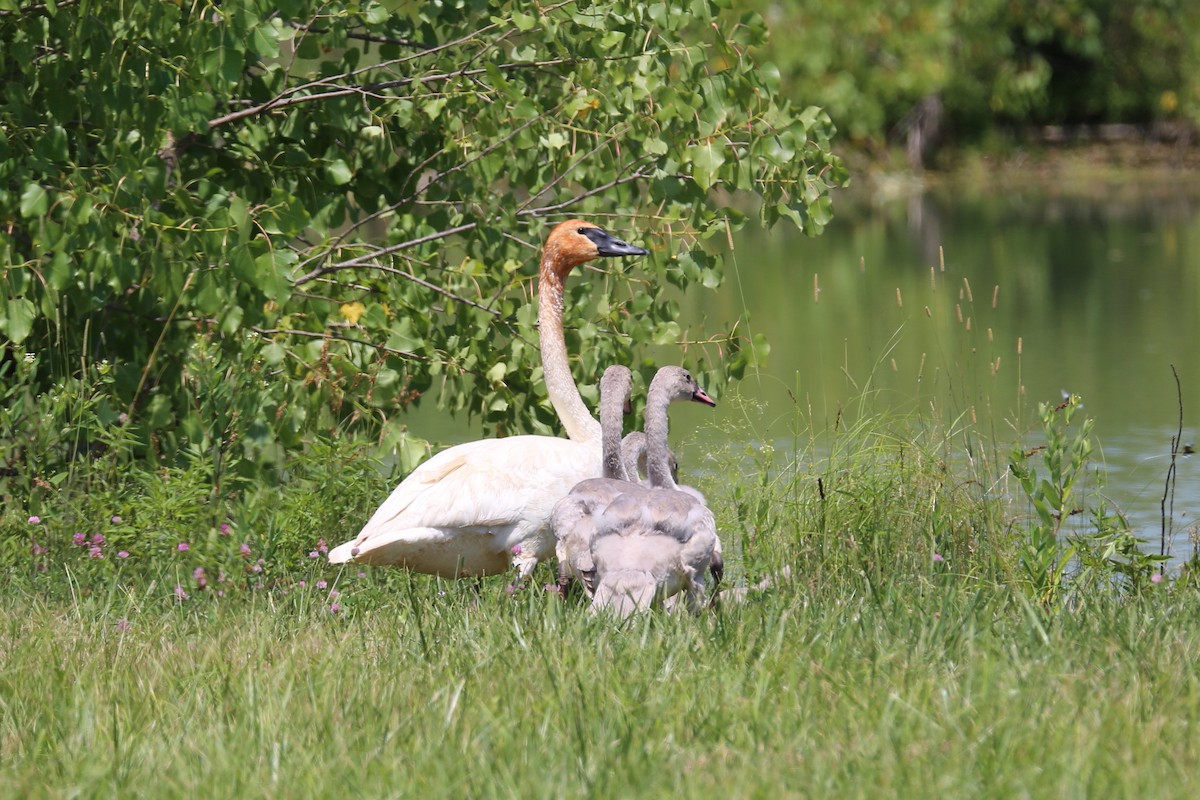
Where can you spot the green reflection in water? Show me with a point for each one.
(953, 302)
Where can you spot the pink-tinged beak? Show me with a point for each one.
(700, 397)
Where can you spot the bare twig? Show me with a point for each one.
(290, 98)
(363, 261)
(340, 338)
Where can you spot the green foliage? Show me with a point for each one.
(992, 62)
(278, 219)
(1051, 550)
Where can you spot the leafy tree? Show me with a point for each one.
(263, 219)
(992, 63)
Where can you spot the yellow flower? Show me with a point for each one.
(352, 311)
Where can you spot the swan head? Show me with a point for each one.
(617, 381)
(576, 242)
(676, 383)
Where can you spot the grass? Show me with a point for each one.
(905, 657)
(944, 688)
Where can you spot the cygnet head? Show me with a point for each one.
(617, 381)
(676, 383)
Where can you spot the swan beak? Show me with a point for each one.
(609, 245)
(700, 397)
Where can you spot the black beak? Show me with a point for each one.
(609, 245)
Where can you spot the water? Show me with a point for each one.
(976, 302)
(983, 303)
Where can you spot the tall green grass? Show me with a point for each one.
(941, 687)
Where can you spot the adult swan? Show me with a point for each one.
(477, 507)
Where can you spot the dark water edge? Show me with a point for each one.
(985, 300)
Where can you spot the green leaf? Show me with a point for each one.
(706, 159)
(339, 172)
(17, 322)
(35, 201)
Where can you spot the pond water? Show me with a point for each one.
(978, 303)
(984, 303)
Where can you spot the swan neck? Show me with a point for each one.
(612, 411)
(658, 454)
(564, 395)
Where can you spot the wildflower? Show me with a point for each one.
(79, 539)
(321, 584)
(362, 574)
(123, 625)
(123, 554)
(38, 550)
(257, 568)
(334, 593)
(200, 578)
(35, 520)
(314, 554)
(98, 540)
(116, 519)
(1156, 577)
(322, 547)
(334, 608)
(182, 547)
(225, 529)
(260, 585)
(354, 551)
(302, 584)
(938, 557)
(180, 594)
(95, 552)
(244, 550)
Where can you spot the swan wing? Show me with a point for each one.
(574, 524)
(504, 489)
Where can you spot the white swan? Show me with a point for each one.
(573, 517)
(650, 544)
(477, 507)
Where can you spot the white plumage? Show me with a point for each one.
(478, 507)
